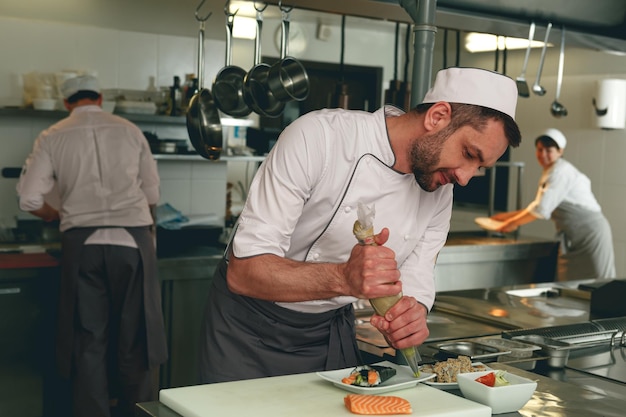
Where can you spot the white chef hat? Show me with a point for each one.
(557, 136)
(476, 86)
(80, 83)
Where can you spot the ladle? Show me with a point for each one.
(522, 85)
(538, 89)
(557, 109)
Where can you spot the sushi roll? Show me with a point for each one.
(369, 375)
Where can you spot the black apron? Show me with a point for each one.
(72, 243)
(244, 338)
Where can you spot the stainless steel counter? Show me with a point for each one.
(481, 260)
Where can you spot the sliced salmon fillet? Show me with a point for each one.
(377, 404)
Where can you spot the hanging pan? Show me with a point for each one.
(522, 85)
(288, 78)
(228, 84)
(203, 119)
(256, 91)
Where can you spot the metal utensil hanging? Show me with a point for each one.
(288, 78)
(256, 91)
(203, 121)
(228, 84)
(391, 94)
(341, 98)
(522, 85)
(537, 88)
(557, 109)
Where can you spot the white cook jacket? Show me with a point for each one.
(562, 183)
(302, 202)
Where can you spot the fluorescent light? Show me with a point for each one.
(485, 42)
(244, 27)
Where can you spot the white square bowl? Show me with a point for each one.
(503, 399)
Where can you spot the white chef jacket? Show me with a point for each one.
(562, 182)
(302, 201)
(103, 169)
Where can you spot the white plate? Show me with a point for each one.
(402, 379)
(488, 223)
(455, 385)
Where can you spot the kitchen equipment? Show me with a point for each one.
(301, 394)
(522, 85)
(471, 349)
(228, 84)
(557, 109)
(537, 88)
(288, 78)
(363, 230)
(256, 91)
(391, 94)
(341, 98)
(203, 120)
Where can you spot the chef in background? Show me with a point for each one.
(281, 299)
(564, 196)
(110, 334)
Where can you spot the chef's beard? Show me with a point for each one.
(425, 154)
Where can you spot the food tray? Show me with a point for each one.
(517, 349)
(471, 349)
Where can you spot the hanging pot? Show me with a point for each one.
(203, 120)
(256, 91)
(228, 84)
(288, 78)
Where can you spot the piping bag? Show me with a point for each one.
(364, 232)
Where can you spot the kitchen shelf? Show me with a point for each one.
(136, 118)
(194, 157)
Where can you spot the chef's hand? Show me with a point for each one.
(404, 324)
(372, 271)
(507, 227)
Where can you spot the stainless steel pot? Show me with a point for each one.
(288, 79)
(256, 91)
(228, 84)
(203, 120)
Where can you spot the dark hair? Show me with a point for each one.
(547, 141)
(476, 117)
(83, 94)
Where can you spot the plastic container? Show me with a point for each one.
(44, 103)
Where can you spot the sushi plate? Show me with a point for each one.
(455, 385)
(402, 379)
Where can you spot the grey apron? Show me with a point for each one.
(586, 243)
(72, 244)
(244, 338)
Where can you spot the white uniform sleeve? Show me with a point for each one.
(149, 174)
(552, 191)
(37, 177)
(279, 191)
(418, 270)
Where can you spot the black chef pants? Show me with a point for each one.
(109, 345)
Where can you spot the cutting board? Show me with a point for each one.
(302, 394)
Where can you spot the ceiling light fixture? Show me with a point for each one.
(485, 42)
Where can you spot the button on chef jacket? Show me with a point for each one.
(302, 203)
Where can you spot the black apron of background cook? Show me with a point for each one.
(72, 243)
(244, 338)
